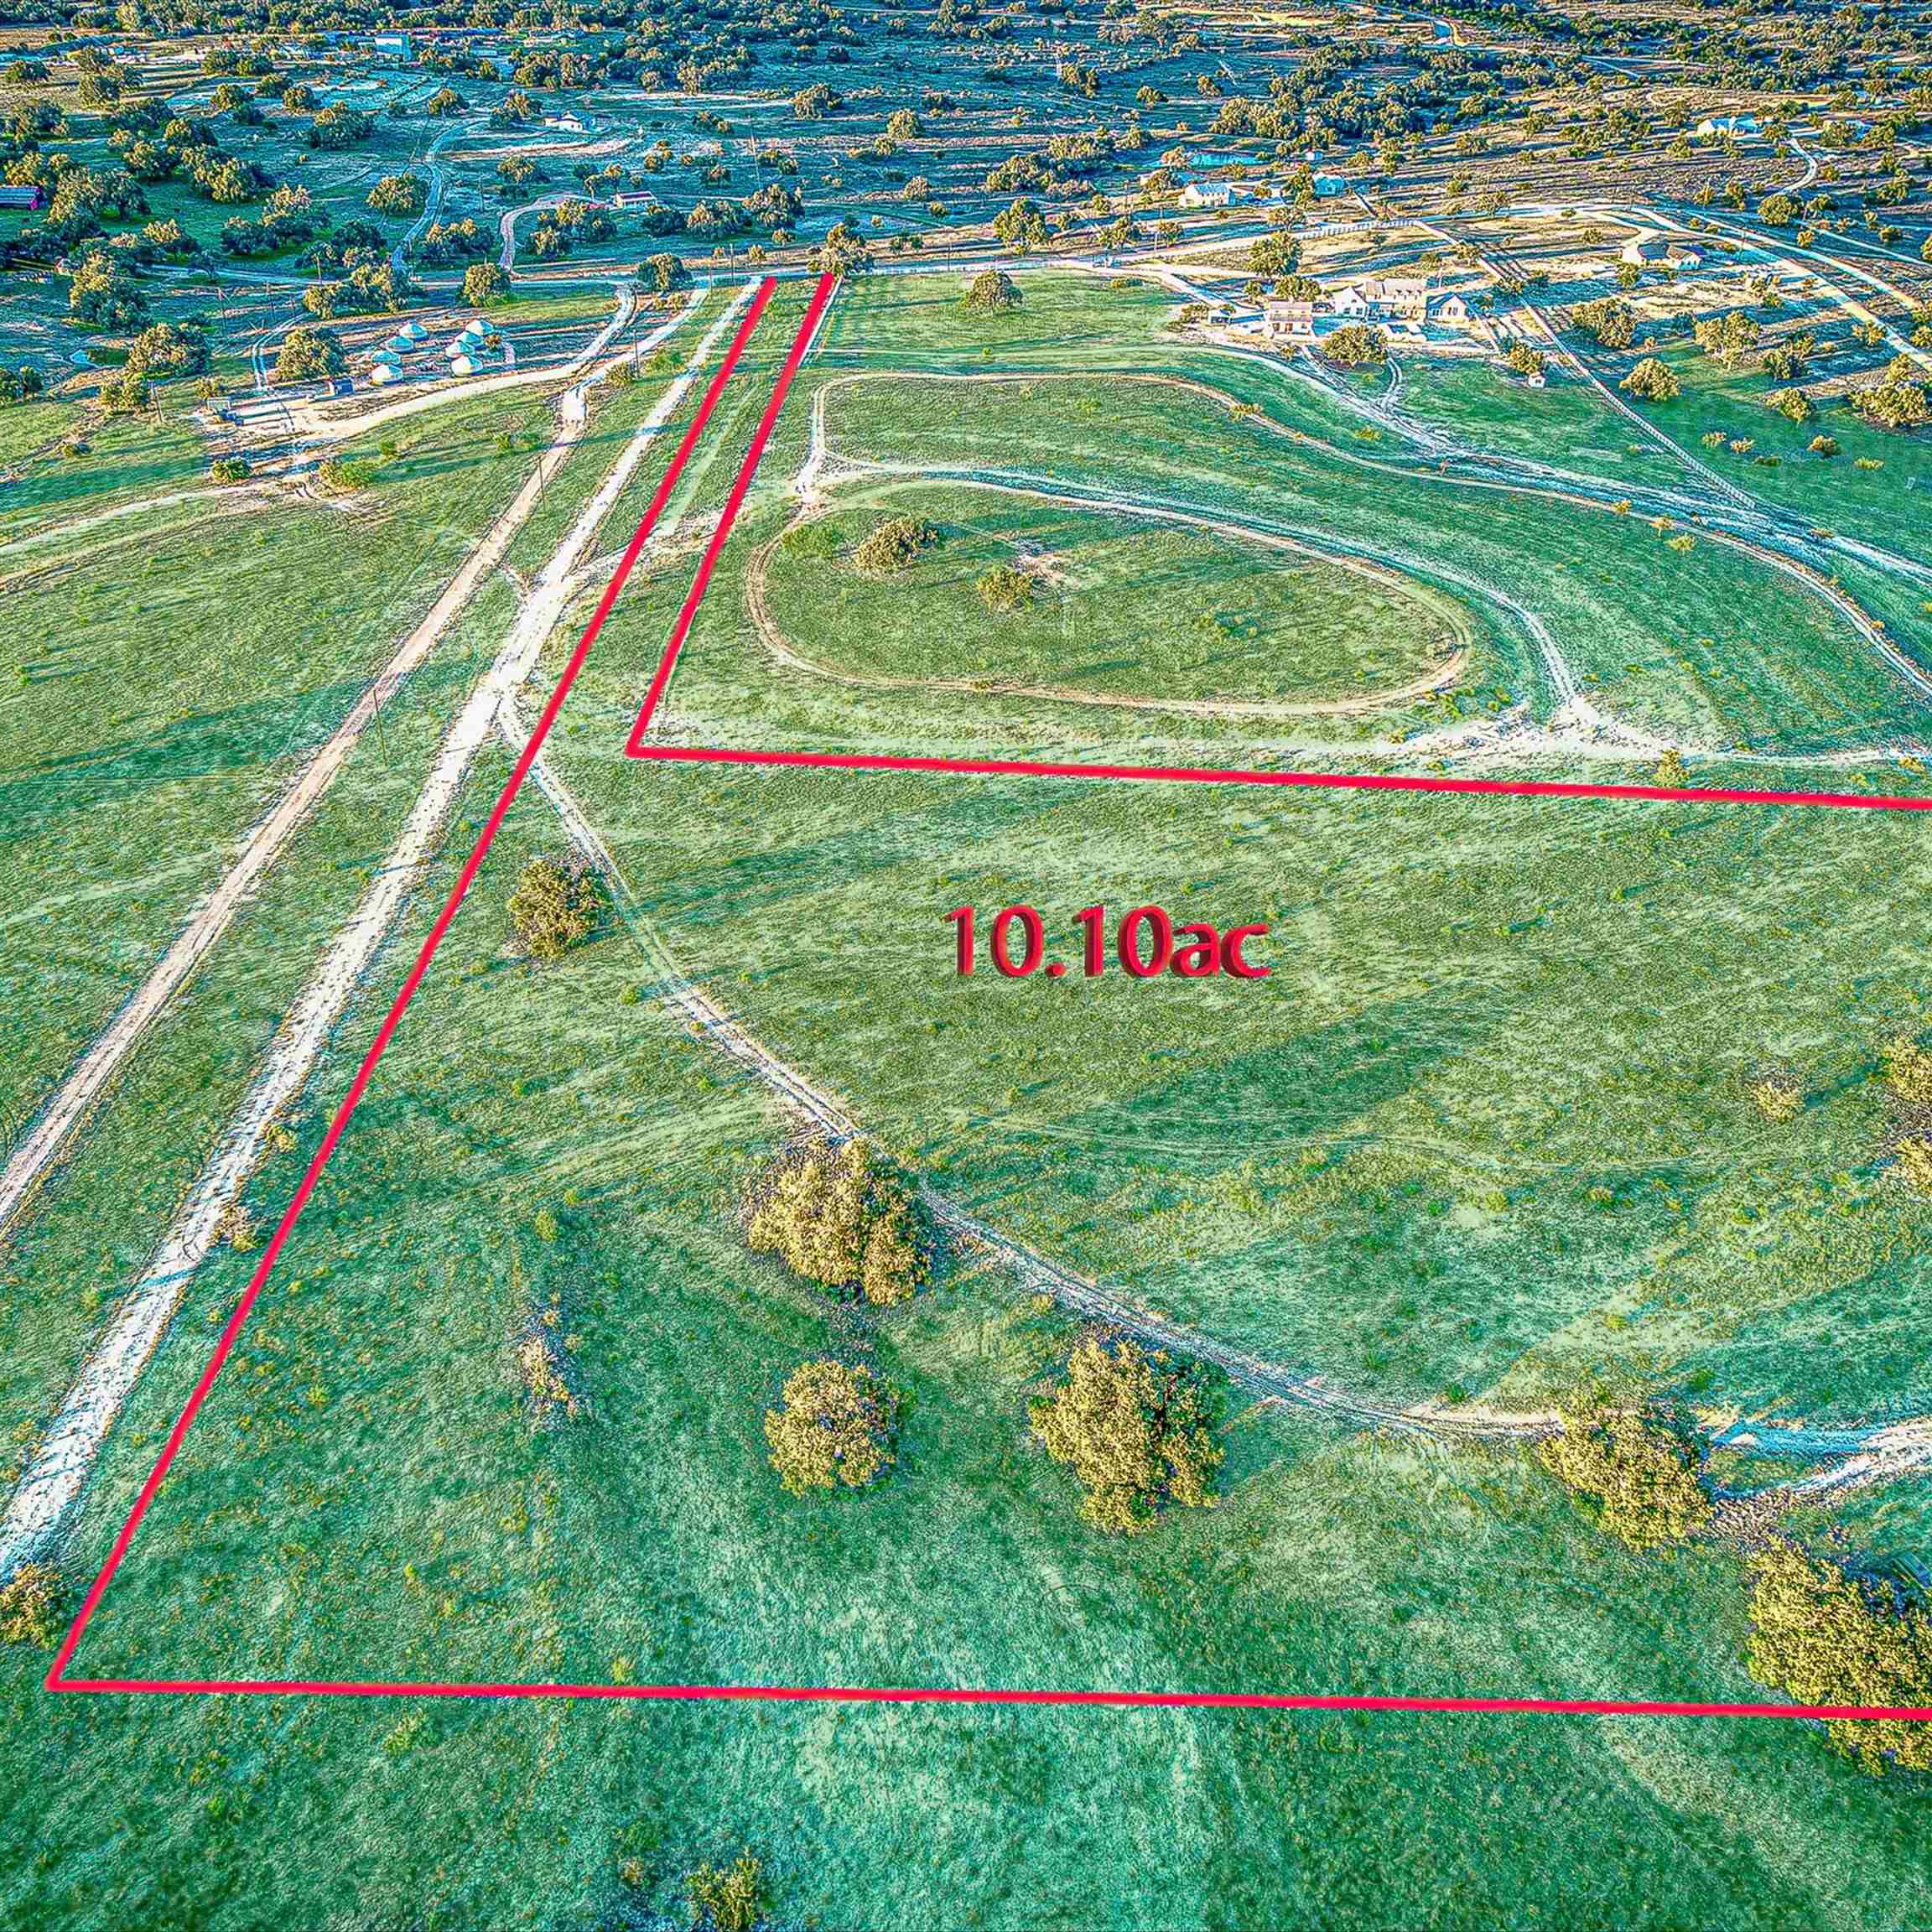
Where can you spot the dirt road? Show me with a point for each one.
(58, 1473)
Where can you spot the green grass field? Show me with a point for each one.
(365, 1494)
(1116, 607)
(1485, 1133)
(164, 696)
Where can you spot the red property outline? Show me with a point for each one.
(57, 1680)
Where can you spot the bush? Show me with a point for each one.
(731, 1899)
(1355, 344)
(125, 393)
(401, 195)
(1912, 1162)
(30, 1607)
(835, 1426)
(1005, 590)
(1777, 1095)
(1642, 1473)
(1651, 382)
(1136, 1433)
(842, 1217)
(993, 292)
(1827, 1638)
(483, 283)
(894, 544)
(1909, 1072)
(336, 477)
(229, 469)
(1826, 446)
(553, 908)
(308, 355)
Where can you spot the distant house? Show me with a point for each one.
(1642, 249)
(1207, 195)
(1452, 311)
(567, 123)
(1717, 125)
(1288, 320)
(382, 371)
(1682, 256)
(20, 197)
(390, 46)
(633, 198)
(1328, 186)
(1404, 297)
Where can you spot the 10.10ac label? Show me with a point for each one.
(1144, 942)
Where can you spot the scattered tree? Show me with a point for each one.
(1355, 345)
(1727, 339)
(1651, 382)
(1525, 359)
(483, 283)
(1642, 1473)
(1005, 590)
(843, 252)
(308, 355)
(1613, 323)
(1893, 405)
(834, 1426)
(842, 1217)
(1827, 1638)
(1136, 1432)
(993, 292)
(893, 545)
(401, 195)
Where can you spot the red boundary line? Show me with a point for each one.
(224, 1347)
(636, 748)
(1317, 780)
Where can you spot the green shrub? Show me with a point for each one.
(337, 477)
(554, 908)
(1136, 1432)
(30, 1607)
(728, 1900)
(993, 292)
(1777, 1095)
(1909, 1072)
(894, 544)
(1004, 590)
(834, 1426)
(229, 469)
(1827, 1638)
(1642, 1474)
(842, 1217)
